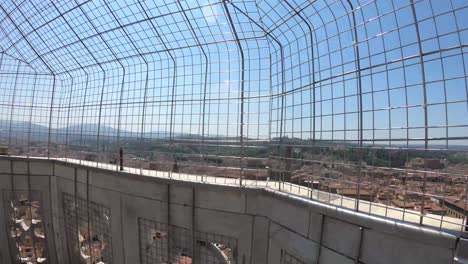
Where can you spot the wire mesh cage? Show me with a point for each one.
(158, 241)
(88, 230)
(26, 228)
(361, 104)
(287, 258)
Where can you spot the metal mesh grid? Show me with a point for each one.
(88, 230)
(287, 258)
(153, 241)
(215, 249)
(156, 237)
(362, 104)
(27, 236)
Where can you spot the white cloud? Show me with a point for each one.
(211, 11)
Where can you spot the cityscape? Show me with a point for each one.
(429, 182)
(234, 132)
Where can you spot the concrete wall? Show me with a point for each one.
(267, 225)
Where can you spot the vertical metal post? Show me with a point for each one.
(13, 245)
(12, 106)
(75, 205)
(426, 123)
(242, 89)
(358, 250)
(193, 226)
(169, 228)
(465, 205)
(121, 159)
(88, 218)
(359, 83)
(205, 83)
(319, 246)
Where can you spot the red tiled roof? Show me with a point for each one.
(461, 204)
(353, 191)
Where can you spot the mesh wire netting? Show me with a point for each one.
(287, 258)
(157, 242)
(362, 104)
(88, 230)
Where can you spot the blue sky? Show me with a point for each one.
(289, 60)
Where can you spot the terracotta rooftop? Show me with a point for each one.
(353, 191)
(461, 204)
(402, 204)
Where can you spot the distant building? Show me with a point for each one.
(154, 166)
(431, 208)
(90, 157)
(332, 174)
(353, 193)
(385, 197)
(457, 209)
(420, 163)
(3, 150)
(411, 177)
(411, 196)
(403, 204)
(438, 210)
(381, 173)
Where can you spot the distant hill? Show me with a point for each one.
(107, 131)
(20, 126)
(21, 129)
(88, 131)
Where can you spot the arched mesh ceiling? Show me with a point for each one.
(236, 88)
(267, 68)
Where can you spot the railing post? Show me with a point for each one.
(121, 159)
